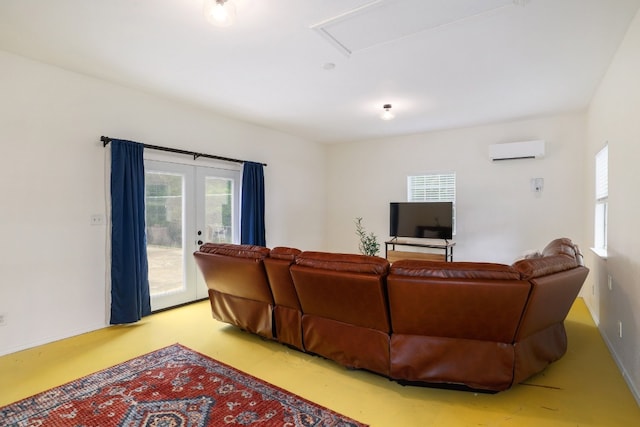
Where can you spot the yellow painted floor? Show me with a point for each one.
(584, 388)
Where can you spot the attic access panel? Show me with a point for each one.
(381, 21)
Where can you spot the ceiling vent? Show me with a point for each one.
(517, 150)
(379, 21)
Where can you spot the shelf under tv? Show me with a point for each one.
(445, 246)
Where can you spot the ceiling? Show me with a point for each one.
(322, 69)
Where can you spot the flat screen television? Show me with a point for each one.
(427, 220)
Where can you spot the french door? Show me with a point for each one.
(186, 206)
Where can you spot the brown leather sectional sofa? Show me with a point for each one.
(479, 326)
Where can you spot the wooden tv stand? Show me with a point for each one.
(393, 255)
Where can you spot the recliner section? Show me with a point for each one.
(481, 326)
(239, 290)
(287, 312)
(345, 312)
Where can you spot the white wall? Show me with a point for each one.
(613, 117)
(52, 262)
(498, 216)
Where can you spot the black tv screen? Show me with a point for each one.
(427, 220)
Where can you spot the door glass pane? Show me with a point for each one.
(218, 209)
(164, 213)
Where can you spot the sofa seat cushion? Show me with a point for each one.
(454, 270)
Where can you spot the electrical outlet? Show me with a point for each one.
(3, 319)
(96, 219)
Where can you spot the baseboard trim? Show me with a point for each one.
(627, 379)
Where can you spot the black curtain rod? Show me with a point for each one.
(106, 140)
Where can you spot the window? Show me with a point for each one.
(433, 187)
(602, 196)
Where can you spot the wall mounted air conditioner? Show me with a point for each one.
(517, 150)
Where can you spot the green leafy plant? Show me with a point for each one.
(368, 242)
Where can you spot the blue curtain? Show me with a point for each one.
(252, 213)
(130, 299)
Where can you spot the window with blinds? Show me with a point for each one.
(433, 187)
(602, 198)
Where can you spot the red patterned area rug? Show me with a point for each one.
(170, 387)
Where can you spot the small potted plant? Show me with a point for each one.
(368, 242)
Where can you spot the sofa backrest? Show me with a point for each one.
(343, 287)
(278, 270)
(556, 278)
(236, 270)
(477, 301)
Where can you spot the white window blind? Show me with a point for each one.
(435, 187)
(602, 173)
(602, 200)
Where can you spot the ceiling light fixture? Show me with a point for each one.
(221, 13)
(387, 114)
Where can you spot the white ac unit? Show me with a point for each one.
(517, 150)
